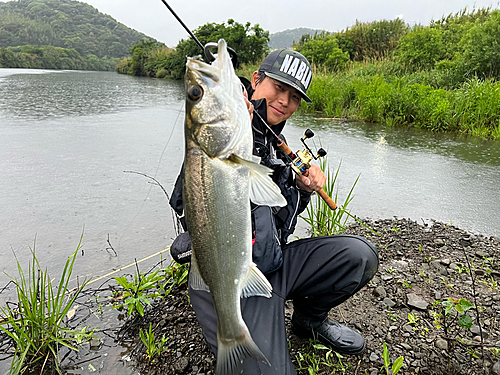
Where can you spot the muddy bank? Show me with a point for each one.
(421, 265)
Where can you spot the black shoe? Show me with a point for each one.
(340, 338)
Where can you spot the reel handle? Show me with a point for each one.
(329, 201)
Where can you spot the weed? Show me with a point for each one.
(396, 366)
(394, 317)
(405, 283)
(312, 357)
(324, 221)
(412, 319)
(137, 294)
(152, 348)
(494, 350)
(35, 324)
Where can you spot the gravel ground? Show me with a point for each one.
(421, 265)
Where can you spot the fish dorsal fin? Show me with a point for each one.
(263, 190)
(195, 280)
(256, 284)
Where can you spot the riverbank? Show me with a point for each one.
(421, 265)
(385, 93)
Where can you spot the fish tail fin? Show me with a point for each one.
(231, 354)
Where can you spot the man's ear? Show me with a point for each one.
(255, 76)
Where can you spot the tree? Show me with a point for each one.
(324, 52)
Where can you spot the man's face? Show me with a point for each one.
(282, 100)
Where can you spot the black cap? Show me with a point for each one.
(290, 67)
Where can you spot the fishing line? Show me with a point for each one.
(179, 112)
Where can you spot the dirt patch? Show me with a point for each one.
(421, 265)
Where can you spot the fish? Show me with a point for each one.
(221, 178)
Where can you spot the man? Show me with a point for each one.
(316, 273)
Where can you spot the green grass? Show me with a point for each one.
(322, 220)
(35, 323)
(437, 100)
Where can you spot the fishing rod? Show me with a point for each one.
(207, 47)
(300, 161)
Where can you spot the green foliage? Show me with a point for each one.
(250, 43)
(314, 356)
(322, 219)
(49, 57)
(35, 324)
(421, 48)
(372, 40)
(379, 92)
(458, 307)
(397, 364)
(481, 47)
(153, 349)
(137, 294)
(363, 41)
(67, 24)
(324, 52)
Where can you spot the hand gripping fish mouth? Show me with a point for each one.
(221, 178)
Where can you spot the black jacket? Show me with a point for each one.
(271, 226)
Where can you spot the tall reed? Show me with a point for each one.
(35, 322)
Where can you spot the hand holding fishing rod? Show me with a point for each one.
(301, 160)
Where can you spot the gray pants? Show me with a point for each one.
(317, 274)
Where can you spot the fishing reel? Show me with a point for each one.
(302, 160)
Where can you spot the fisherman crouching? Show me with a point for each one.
(317, 273)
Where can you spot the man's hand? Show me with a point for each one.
(313, 180)
(248, 103)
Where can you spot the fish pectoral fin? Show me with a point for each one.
(231, 354)
(263, 190)
(256, 284)
(195, 280)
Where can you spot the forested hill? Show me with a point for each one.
(285, 39)
(64, 23)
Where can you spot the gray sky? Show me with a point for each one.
(154, 19)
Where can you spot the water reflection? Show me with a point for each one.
(60, 94)
(463, 147)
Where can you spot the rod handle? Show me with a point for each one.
(329, 201)
(284, 147)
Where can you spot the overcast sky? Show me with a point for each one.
(154, 19)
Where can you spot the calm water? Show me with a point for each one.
(67, 138)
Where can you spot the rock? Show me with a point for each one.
(436, 264)
(406, 346)
(441, 344)
(373, 357)
(95, 343)
(181, 365)
(379, 292)
(387, 277)
(445, 262)
(389, 302)
(496, 368)
(416, 301)
(453, 266)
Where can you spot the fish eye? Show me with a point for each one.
(195, 92)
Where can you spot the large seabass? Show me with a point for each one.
(220, 180)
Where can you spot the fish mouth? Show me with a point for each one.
(197, 70)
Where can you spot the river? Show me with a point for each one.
(69, 140)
